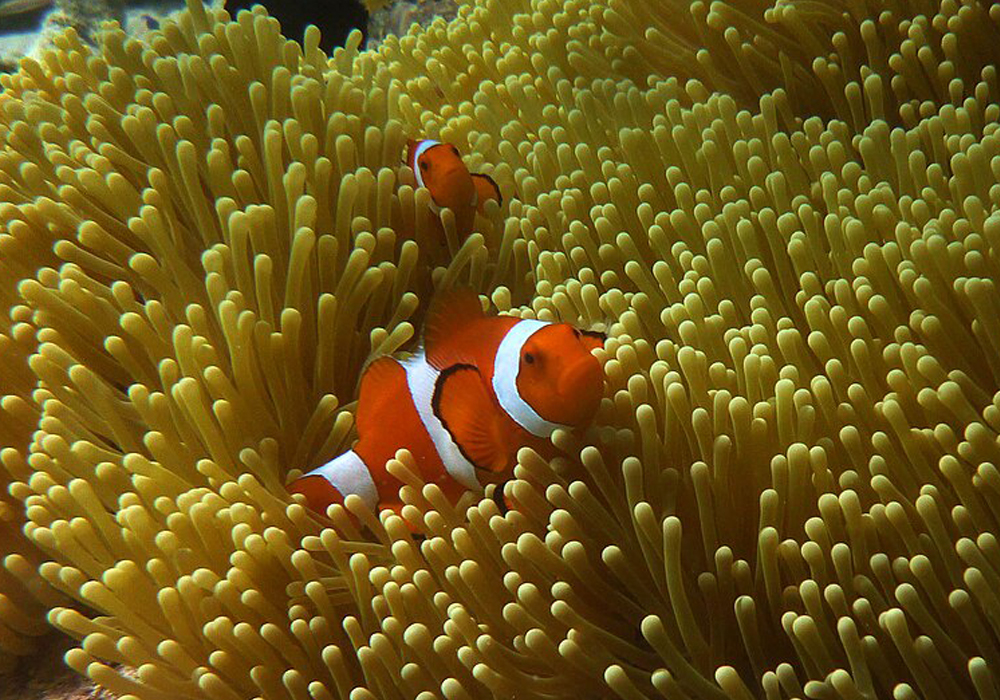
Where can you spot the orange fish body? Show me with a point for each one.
(480, 389)
(439, 167)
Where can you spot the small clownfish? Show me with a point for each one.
(479, 389)
(439, 167)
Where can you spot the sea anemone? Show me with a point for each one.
(783, 216)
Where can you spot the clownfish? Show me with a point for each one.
(439, 167)
(479, 389)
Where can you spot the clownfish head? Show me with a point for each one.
(439, 167)
(545, 376)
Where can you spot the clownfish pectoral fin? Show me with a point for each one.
(463, 405)
(376, 383)
(593, 339)
(450, 312)
(486, 188)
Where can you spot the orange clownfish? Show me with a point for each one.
(439, 167)
(479, 389)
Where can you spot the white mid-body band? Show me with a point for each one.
(506, 365)
(349, 474)
(421, 378)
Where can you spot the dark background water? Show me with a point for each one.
(335, 18)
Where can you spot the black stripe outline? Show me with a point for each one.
(495, 186)
(436, 409)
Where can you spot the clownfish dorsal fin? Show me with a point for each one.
(471, 417)
(375, 382)
(450, 313)
(486, 188)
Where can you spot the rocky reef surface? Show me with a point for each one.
(26, 28)
(397, 17)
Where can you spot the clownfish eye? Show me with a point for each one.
(529, 358)
(424, 165)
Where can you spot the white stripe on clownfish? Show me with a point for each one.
(506, 365)
(422, 380)
(349, 474)
(422, 148)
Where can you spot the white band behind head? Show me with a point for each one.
(505, 368)
(422, 148)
